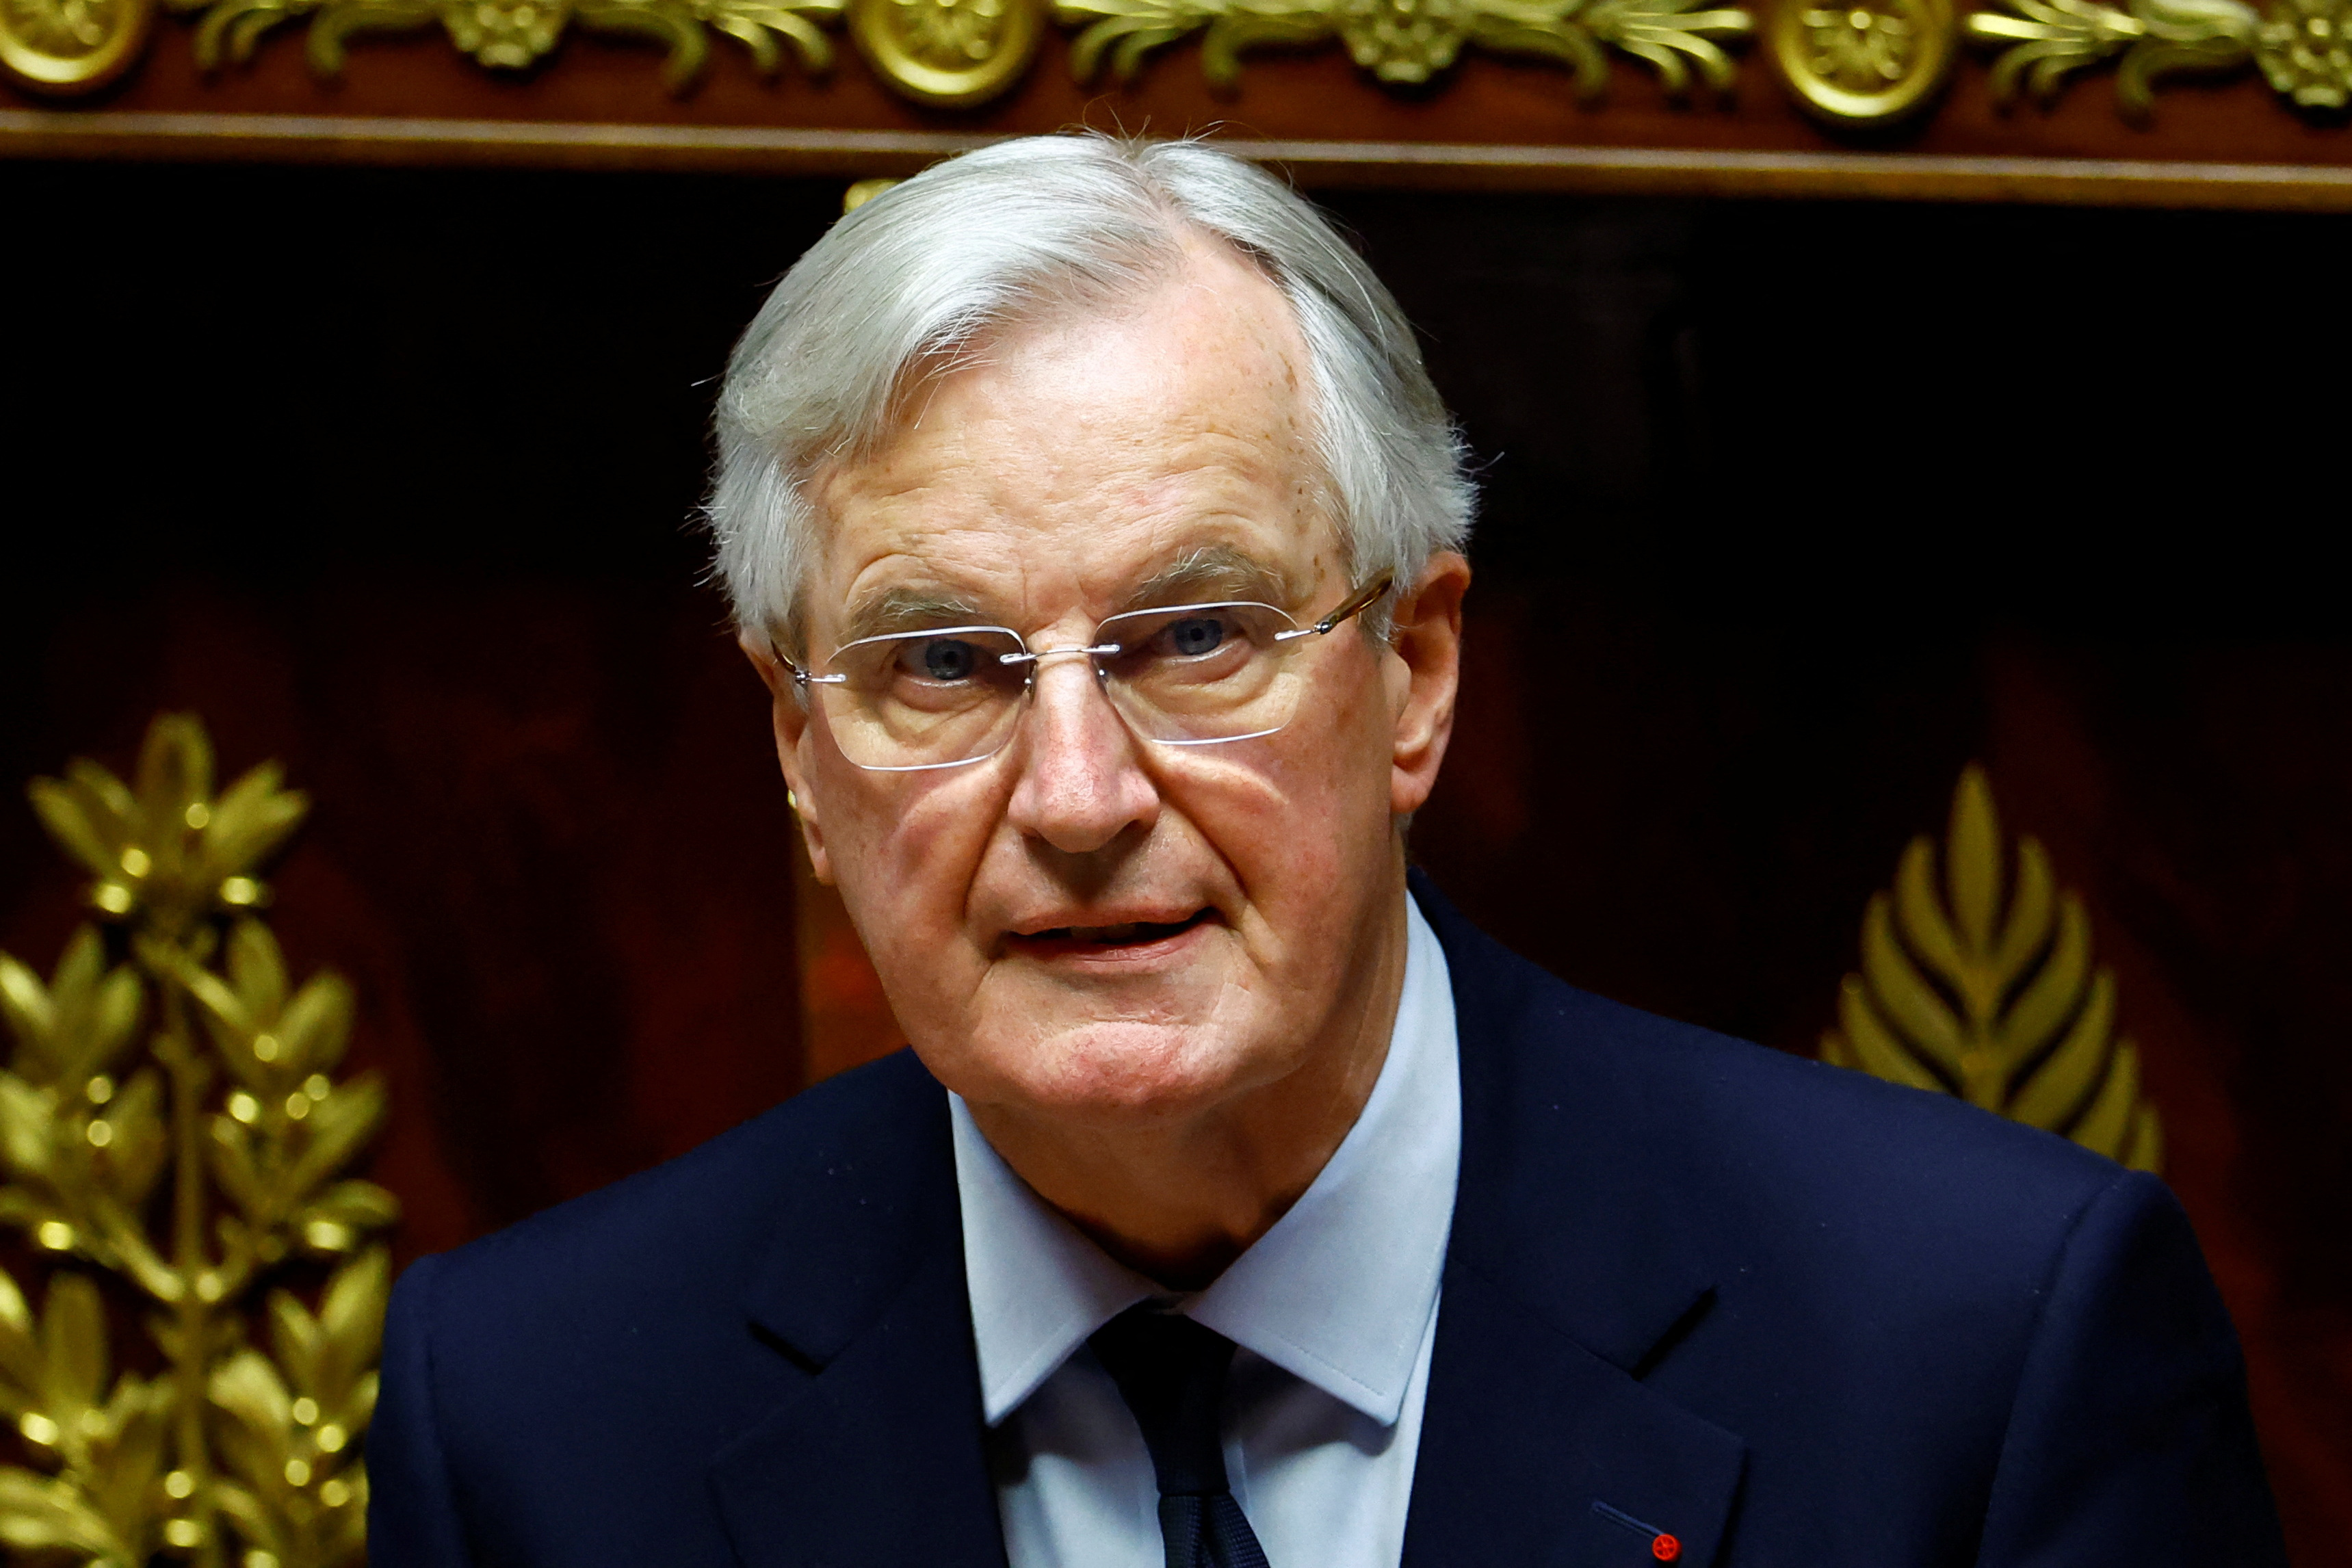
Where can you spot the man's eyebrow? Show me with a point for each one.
(1215, 572)
(905, 608)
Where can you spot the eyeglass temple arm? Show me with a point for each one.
(1355, 603)
(803, 678)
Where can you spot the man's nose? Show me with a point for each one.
(1081, 783)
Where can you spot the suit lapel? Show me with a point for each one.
(875, 1460)
(1525, 1432)
(1569, 1274)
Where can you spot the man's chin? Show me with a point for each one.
(1113, 1073)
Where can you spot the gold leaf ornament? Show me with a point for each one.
(1409, 41)
(1979, 983)
(169, 850)
(106, 1444)
(512, 35)
(2043, 42)
(297, 1490)
(199, 1072)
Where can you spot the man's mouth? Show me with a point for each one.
(1104, 938)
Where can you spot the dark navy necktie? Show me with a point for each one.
(1171, 1372)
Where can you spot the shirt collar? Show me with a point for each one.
(1338, 1293)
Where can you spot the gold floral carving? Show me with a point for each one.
(1409, 41)
(1866, 62)
(1980, 983)
(2303, 48)
(953, 53)
(172, 1142)
(71, 46)
(513, 34)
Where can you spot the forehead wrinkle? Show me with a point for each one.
(1197, 502)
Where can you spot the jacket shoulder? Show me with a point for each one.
(542, 1382)
(1834, 1132)
(693, 1228)
(1753, 1147)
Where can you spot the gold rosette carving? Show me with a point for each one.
(1866, 62)
(1402, 40)
(510, 33)
(1979, 983)
(952, 53)
(2305, 50)
(71, 46)
(173, 1143)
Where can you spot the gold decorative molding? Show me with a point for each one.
(71, 46)
(1854, 66)
(513, 34)
(1696, 173)
(1866, 62)
(2303, 48)
(1405, 42)
(1982, 985)
(171, 1136)
(950, 53)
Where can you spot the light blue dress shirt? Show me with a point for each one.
(1334, 1309)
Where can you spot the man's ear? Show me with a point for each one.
(789, 716)
(1424, 676)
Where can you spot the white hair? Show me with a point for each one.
(913, 280)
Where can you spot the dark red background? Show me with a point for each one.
(1792, 511)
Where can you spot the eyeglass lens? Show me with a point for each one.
(1192, 674)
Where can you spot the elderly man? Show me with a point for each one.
(1085, 507)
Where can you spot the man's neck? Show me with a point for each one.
(1178, 1200)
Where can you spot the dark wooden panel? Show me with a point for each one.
(1791, 509)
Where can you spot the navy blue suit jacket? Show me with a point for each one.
(1787, 1313)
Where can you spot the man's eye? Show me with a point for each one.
(942, 658)
(1194, 635)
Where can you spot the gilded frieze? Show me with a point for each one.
(944, 53)
(1408, 42)
(513, 34)
(2300, 45)
(1860, 67)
